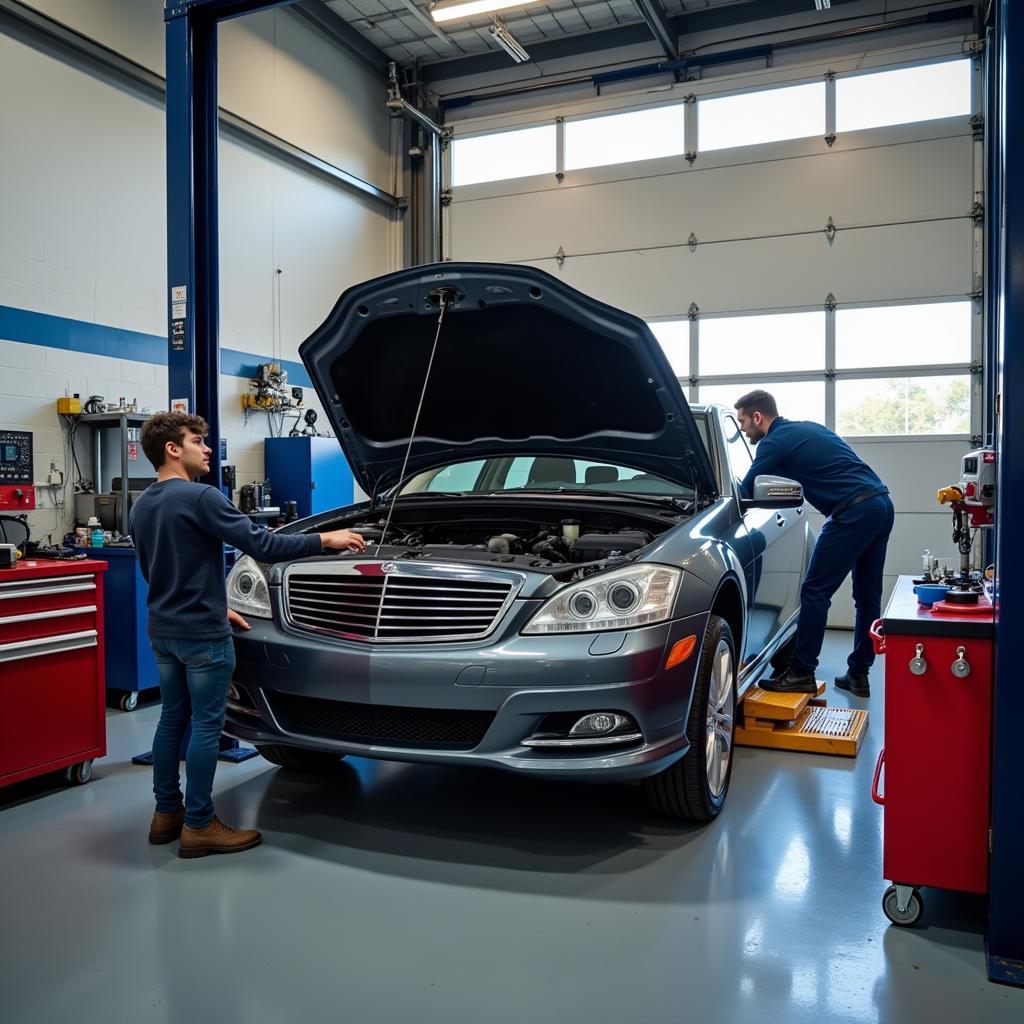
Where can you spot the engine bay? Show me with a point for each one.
(553, 544)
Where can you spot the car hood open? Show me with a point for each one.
(524, 365)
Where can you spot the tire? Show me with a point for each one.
(694, 788)
(298, 757)
(130, 701)
(907, 918)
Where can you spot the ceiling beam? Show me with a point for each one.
(339, 31)
(661, 28)
(735, 16)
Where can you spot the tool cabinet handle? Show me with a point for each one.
(879, 798)
(877, 636)
(21, 650)
(57, 613)
(10, 595)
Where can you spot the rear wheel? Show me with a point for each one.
(298, 757)
(694, 788)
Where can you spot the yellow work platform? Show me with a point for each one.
(800, 721)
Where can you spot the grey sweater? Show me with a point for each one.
(179, 529)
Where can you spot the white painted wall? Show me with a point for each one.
(82, 209)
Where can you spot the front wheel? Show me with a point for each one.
(694, 788)
(298, 757)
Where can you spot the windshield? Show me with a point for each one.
(540, 473)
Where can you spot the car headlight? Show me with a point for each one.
(247, 589)
(637, 596)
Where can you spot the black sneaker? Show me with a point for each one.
(855, 682)
(793, 680)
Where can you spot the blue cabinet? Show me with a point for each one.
(311, 471)
(129, 662)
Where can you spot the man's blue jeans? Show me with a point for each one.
(854, 541)
(194, 677)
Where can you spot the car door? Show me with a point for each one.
(771, 573)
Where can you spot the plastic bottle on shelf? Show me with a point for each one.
(95, 532)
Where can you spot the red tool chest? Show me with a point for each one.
(936, 759)
(52, 711)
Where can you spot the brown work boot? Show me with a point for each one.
(217, 838)
(165, 828)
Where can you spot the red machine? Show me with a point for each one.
(16, 491)
(52, 713)
(938, 708)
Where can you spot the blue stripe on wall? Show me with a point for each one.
(98, 340)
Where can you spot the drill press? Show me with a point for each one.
(973, 503)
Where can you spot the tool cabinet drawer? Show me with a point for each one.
(50, 623)
(48, 696)
(26, 597)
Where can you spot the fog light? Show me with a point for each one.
(599, 724)
(241, 701)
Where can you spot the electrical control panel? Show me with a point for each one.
(15, 457)
(16, 491)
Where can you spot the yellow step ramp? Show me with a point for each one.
(800, 721)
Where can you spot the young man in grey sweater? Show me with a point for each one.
(180, 528)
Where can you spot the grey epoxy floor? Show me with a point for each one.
(394, 893)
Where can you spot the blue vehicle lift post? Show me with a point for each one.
(193, 299)
(1005, 935)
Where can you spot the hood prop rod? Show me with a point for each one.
(442, 296)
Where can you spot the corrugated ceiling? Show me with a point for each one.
(404, 30)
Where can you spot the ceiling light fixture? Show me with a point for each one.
(823, 5)
(507, 41)
(453, 10)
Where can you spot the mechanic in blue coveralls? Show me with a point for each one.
(854, 538)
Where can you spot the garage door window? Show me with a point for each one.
(674, 336)
(503, 155)
(762, 344)
(772, 115)
(643, 134)
(904, 406)
(926, 334)
(798, 400)
(903, 96)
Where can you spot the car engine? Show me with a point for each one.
(542, 547)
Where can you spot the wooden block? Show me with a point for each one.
(818, 730)
(779, 707)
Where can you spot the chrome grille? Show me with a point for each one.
(360, 601)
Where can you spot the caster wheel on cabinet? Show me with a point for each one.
(78, 774)
(130, 701)
(903, 918)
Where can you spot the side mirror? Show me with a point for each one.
(774, 492)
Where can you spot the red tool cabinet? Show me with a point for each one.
(936, 758)
(52, 713)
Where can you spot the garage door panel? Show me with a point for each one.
(914, 470)
(870, 186)
(879, 263)
(866, 186)
(597, 218)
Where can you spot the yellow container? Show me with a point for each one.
(69, 406)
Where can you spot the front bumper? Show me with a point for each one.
(516, 679)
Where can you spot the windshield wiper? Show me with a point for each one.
(673, 500)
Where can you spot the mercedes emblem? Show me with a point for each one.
(389, 567)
